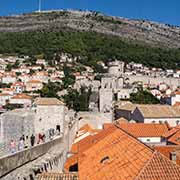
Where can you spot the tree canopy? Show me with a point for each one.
(91, 46)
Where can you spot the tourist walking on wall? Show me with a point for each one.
(26, 142)
(32, 140)
(21, 144)
(13, 146)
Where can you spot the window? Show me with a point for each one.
(173, 156)
(148, 140)
(105, 159)
(177, 122)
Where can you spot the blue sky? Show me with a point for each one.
(166, 11)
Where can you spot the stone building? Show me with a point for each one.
(13, 124)
(50, 113)
(47, 114)
(149, 113)
(116, 68)
(105, 100)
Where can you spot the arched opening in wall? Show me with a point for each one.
(31, 177)
(73, 168)
(58, 128)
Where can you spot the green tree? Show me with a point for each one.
(143, 97)
(50, 90)
(8, 67)
(79, 101)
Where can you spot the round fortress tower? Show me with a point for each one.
(116, 68)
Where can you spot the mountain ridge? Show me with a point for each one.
(152, 33)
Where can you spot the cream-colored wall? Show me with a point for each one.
(33, 86)
(48, 117)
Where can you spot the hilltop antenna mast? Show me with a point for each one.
(39, 6)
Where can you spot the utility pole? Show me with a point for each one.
(39, 6)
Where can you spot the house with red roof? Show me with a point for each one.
(8, 78)
(151, 134)
(34, 85)
(18, 87)
(21, 99)
(173, 136)
(117, 155)
(7, 91)
(4, 98)
(172, 152)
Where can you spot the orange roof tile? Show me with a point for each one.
(22, 96)
(144, 130)
(159, 168)
(5, 94)
(175, 139)
(34, 81)
(173, 135)
(177, 92)
(18, 84)
(56, 176)
(70, 162)
(166, 150)
(119, 156)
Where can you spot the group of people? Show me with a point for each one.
(23, 143)
(26, 142)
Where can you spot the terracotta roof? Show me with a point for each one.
(144, 130)
(5, 94)
(154, 110)
(119, 156)
(87, 129)
(173, 135)
(175, 139)
(88, 141)
(177, 92)
(18, 84)
(21, 96)
(166, 150)
(70, 162)
(7, 89)
(34, 81)
(58, 176)
(118, 121)
(82, 145)
(159, 168)
(48, 101)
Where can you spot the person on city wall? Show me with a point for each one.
(21, 144)
(13, 146)
(32, 140)
(26, 142)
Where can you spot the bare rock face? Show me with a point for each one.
(140, 30)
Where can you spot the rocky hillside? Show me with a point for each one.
(139, 30)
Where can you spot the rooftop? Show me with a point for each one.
(21, 96)
(48, 101)
(114, 154)
(173, 135)
(144, 130)
(154, 110)
(58, 176)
